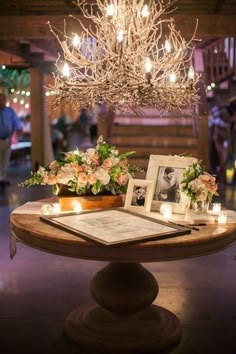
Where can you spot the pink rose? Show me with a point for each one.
(123, 163)
(94, 159)
(50, 179)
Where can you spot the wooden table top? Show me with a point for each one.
(37, 234)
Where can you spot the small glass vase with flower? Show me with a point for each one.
(95, 178)
(199, 186)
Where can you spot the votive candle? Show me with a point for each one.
(167, 213)
(216, 208)
(164, 207)
(222, 219)
(46, 209)
(56, 208)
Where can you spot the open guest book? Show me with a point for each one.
(115, 226)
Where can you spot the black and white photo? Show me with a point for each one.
(139, 194)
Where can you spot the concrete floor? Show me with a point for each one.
(38, 290)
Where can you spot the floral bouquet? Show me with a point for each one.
(197, 184)
(99, 170)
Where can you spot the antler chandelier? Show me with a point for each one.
(131, 56)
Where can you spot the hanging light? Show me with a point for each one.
(66, 70)
(110, 10)
(120, 36)
(145, 11)
(76, 41)
(172, 78)
(167, 46)
(148, 65)
(191, 73)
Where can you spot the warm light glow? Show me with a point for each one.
(145, 11)
(167, 46)
(27, 105)
(213, 85)
(23, 92)
(12, 90)
(56, 208)
(110, 10)
(167, 214)
(172, 78)
(66, 70)
(120, 36)
(229, 175)
(191, 73)
(22, 101)
(27, 93)
(3, 67)
(148, 65)
(76, 41)
(15, 100)
(216, 208)
(77, 207)
(164, 207)
(222, 219)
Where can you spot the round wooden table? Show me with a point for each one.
(124, 321)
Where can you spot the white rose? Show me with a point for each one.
(102, 175)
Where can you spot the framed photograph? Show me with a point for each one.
(114, 226)
(167, 172)
(139, 194)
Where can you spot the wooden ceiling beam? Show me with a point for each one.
(36, 26)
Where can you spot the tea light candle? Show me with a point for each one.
(164, 207)
(222, 219)
(216, 208)
(56, 208)
(46, 209)
(167, 213)
(77, 207)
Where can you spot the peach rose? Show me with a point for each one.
(122, 179)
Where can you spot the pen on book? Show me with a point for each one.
(188, 227)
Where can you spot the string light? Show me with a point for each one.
(66, 70)
(145, 11)
(76, 41)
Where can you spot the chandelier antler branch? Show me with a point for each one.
(131, 56)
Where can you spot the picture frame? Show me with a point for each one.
(139, 194)
(167, 173)
(112, 227)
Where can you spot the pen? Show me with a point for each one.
(188, 227)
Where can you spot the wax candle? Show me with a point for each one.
(46, 209)
(77, 207)
(222, 219)
(56, 208)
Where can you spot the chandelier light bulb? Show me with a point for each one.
(120, 36)
(76, 41)
(66, 70)
(191, 73)
(148, 65)
(172, 78)
(110, 10)
(167, 46)
(145, 11)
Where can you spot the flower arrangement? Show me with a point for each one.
(97, 170)
(199, 185)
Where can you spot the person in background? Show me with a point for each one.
(9, 123)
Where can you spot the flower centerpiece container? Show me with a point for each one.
(91, 179)
(199, 185)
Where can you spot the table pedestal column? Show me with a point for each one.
(125, 320)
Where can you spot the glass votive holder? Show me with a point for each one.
(77, 207)
(46, 209)
(164, 207)
(167, 214)
(216, 208)
(56, 208)
(222, 219)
